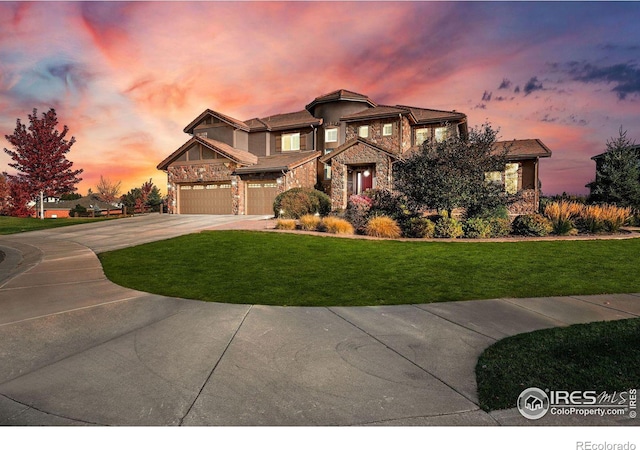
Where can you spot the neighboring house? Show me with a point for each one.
(342, 142)
(599, 159)
(54, 208)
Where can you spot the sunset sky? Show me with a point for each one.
(127, 77)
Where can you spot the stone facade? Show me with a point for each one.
(196, 173)
(526, 203)
(359, 154)
(394, 143)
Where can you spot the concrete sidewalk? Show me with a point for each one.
(75, 349)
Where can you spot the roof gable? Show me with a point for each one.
(208, 113)
(358, 140)
(234, 154)
(280, 163)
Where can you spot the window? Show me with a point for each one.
(511, 178)
(387, 129)
(327, 167)
(331, 135)
(290, 142)
(363, 131)
(441, 133)
(422, 134)
(202, 134)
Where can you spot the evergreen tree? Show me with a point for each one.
(617, 173)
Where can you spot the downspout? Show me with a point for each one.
(400, 136)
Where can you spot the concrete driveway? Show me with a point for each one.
(75, 349)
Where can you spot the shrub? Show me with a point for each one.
(309, 222)
(448, 227)
(532, 225)
(477, 228)
(297, 202)
(78, 211)
(383, 226)
(336, 225)
(388, 203)
(357, 211)
(285, 224)
(562, 215)
(419, 227)
(499, 227)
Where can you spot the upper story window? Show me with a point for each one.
(422, 134)
(331, 135)
(202, 134)
(387, 129)
(363, 131)
(290, 142)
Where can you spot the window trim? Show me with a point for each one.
(384, 128)
(326, 134)
(289, 137)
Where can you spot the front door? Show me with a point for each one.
(362, 179)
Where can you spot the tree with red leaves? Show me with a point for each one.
(40, 157)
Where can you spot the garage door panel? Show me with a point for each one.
(206, 199)
(260, 196)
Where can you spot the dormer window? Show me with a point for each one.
(290, 142)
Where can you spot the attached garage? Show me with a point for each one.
(210, 198)
(260, 196)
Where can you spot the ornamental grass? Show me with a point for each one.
(563, 215)
(309, 222)
(383, 227)
(336, 225)
(285, 224)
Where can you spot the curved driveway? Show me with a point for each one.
(77, 349)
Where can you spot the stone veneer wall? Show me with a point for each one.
(527, 203)
(302, 176)
(194, 173)
(359, 154)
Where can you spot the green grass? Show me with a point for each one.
(601, 356)
(12, 225)
(302, 270)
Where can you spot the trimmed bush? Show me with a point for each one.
(419, 227)
(336, 225)
(499, 227)
(477, 228)
(285, 224)
(448, 227)
(309, 222)
(532, 225)
(297, 202)
(383, 226)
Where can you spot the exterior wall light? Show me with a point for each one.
(366, 173)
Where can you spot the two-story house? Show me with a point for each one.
(342, 142)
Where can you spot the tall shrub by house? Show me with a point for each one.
(297, 202)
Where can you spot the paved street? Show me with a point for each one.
(75, 349)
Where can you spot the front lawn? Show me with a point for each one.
(601, 357)
(302, 270)
(12, 225)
